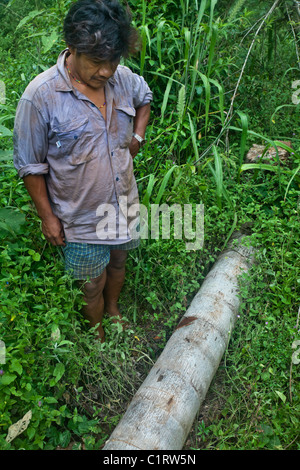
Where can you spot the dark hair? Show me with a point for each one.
(100, 29)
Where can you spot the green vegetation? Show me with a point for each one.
(222, 74)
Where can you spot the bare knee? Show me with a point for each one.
(94, 287)
(117, 259)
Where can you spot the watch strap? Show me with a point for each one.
(139, 138)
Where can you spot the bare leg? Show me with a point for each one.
(102, 293)
(114, 282)
(93, 296)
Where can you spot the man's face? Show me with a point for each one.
(92, 72)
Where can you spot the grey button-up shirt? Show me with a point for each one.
(88, 168)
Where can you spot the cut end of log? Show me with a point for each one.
(255, 154)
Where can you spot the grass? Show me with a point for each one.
(254, 399)
(255, 388)
(77, 390)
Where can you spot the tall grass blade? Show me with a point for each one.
(221, 98)
(244, 121)
(198, 47)
(217, 172)
(144, 11)
(290, 182)
(183, 11)
(280, 107)
(199, 19)
(194, 70)
(231, 231)
(258, 166)
(147, 195)
(212, 48)
(193, 136)
(166, 97)
(211, 15)
(164, 184)
(283, 145)
(187, 42)
(207, 97)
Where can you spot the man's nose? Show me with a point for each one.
(105, 72)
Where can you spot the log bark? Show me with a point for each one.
(255, 154)
(163, 409)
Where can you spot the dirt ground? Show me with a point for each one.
(209, 412)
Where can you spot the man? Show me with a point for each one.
(78, 127)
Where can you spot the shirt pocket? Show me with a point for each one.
(73, 141)
(125, 119)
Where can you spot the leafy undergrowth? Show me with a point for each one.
(253, 402)
(74, 390)
(77, 389)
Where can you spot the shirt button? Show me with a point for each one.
(117, 179)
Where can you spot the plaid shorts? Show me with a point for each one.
(88, 260)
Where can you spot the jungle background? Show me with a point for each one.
(224, 77)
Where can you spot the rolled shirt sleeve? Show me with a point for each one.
(142, 94)
(30, 140)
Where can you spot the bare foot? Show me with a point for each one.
(115, 315)
(100, 334)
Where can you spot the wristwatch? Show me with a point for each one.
(140, 139)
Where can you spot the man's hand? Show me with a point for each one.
(51, 225)
(140, 124)
(53, 230)
(134, 147)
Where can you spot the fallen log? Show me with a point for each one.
(163, 409)
(257, 153)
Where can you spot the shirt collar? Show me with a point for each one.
(63, 81)
(112, 80)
